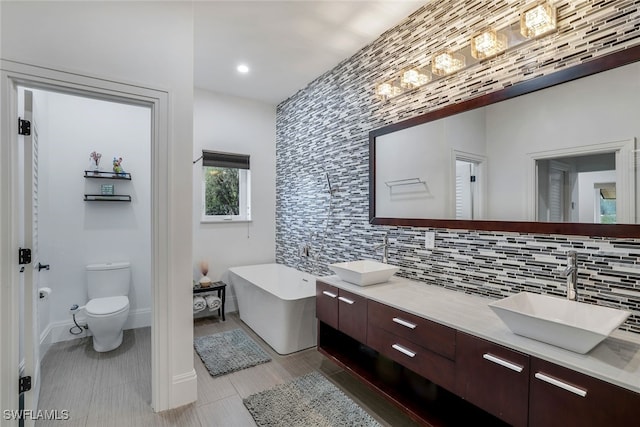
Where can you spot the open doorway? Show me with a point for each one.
(67, 156)
(83, 213)
(161, 371)
(469, 182)
(577, 189)
(588, 184)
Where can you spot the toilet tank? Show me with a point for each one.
(108, 280)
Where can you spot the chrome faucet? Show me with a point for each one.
(385, 248)
(571, 272)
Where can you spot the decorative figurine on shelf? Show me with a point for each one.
(205, 282)
(95, 161)
(117, 166)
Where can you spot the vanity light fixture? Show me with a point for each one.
(447, 62)
(414, 77)
(488, 43)
(537, 19)
(388, 90)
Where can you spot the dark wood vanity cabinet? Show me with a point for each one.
(493, 377)
(352, 315)
(425, 347)
(342, 310)
(327, 304)
(479, 382)
(562, 397)
(430, 335)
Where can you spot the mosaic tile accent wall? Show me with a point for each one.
(322, 131)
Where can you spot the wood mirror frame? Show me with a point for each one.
(604, 63)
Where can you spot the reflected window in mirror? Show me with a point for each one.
(605, 207)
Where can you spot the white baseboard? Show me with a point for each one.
(45, 341)
(140, 318)
(59, 331)
(184, 389)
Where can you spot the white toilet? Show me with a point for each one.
(108, 306)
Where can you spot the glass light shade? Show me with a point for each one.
(487, 44)
(414, 77)
(537, 19)
(446, 62)
(388, 90)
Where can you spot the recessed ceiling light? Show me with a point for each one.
(242, 68)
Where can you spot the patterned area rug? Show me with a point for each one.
(310, 400)
(229, 351)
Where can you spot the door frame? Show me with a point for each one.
(480, 190)
(625, 174)
(13, 74)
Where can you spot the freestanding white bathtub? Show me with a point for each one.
(278, 303)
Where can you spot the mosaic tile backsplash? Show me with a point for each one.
(322, 131)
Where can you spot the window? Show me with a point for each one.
(605, 196)
(226, 187)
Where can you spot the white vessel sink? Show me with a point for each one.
(364, 272)
(567, 324)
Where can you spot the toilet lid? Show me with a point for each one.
(108, 305)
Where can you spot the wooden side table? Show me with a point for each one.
(220, 288)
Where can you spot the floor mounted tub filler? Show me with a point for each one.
(278, 303)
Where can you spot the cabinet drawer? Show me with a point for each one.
(493, 378)
(352, 315)
(327, 304)
(428, 364)
(563, 397)
(430, 335)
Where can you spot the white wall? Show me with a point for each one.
(430, 159)
(150, 44)
(236, 125)
(74, 233)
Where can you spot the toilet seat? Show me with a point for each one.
(107, 306)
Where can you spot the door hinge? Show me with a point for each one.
(24, 127)
(24, 256)
(473, 178)
(24, 384)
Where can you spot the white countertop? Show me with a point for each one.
(615, 360)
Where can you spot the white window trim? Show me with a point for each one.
(244, 199)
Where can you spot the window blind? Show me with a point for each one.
(225, 160)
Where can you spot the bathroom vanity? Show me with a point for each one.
(447, 359)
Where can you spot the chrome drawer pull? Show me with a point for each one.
(329, 294)
(403, 350)
(502, 362)
(575, 390)
(404, 323)
(347, 300)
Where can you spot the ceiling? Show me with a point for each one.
(286, 44)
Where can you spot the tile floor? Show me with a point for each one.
(114, 389)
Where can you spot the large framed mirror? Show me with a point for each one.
(556, 154)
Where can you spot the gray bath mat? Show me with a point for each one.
(310, 400)
(229, 351)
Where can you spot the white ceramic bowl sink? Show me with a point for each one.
(567, 324)
(364, 272)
